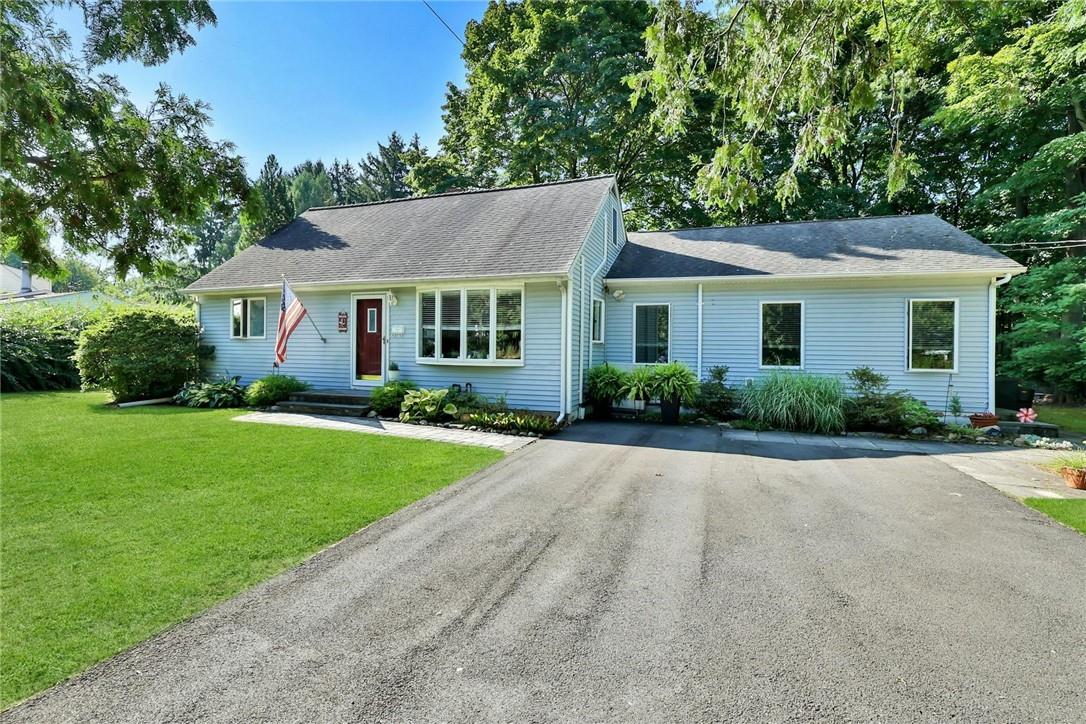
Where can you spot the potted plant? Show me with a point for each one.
(1072, 468)
(639, 386)
(983, 419)
(393, 372)
(604, 384)
(675, 384)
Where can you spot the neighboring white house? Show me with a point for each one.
(15, 280)
(519, 291)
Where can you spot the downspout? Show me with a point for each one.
(996, 282)
(562, 356)
(568, 362)
(699, 331)
(580, 350)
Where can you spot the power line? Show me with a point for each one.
(442, 20)
(1040, 243)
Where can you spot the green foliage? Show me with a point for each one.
(309, 189)
(38, 342)
(139, 352)
(674, 381)
(755, 425)
(513, 422)
(388, 398)
(873, 408)
(605, 383)
(77, 275)
(427, 406)
(1047, 339)
(273, 389)
(1074, 460)
(269, 206)
(227, 392)
(796, 401)
(80, 160)
(384, 175)
(715, 399)
(640, 384)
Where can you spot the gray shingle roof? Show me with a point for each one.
(502, 232)
(871, 246)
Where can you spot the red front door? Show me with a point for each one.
(367, 348)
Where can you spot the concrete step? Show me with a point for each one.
(331, 397)
(323, 408)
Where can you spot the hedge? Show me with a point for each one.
(37, 342)
(140, 352)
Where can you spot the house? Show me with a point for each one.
(519, 291)
(89, 299)
(19, 280)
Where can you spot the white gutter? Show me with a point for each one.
(996, 282)
(562, 356)
(768, 277)
(568, 361)
(580, 347)
(366, 284)
(699, 331)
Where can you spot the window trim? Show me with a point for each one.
(953, 369)
(603, 318)
(245, 317)
(464, 360)
(802, 334)
(633, 350)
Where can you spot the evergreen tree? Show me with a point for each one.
(309, 189)
(269, 206)
(344, 183)
(384, 175)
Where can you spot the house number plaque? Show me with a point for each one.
(341, 322)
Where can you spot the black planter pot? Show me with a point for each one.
(601, 410)
(669, 411)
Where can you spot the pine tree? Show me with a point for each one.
(384, 175)
(269, 206)
(344, 182)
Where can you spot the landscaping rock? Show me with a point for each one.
(371, 413)
(919, 431)
(1020, 441)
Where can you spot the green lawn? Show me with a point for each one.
(1071, 419)
(118, 523)
(1071, 513)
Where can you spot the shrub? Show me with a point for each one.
(605, 383)
(426, 405)
(744, 424)
(513, 421)
(872, 407)
(139, 352)
(227, 392)
(796, 401)
(674, 381)
(1075, 461)
(272, 389)
(640, 383)
(387, 399)
(715, 399)
(38, 342)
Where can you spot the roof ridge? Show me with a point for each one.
(780, 223)
(464, 192)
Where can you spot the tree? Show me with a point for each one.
(79, 160)
(269, 206)
(344, 183)
(383, 175)
(77, 275)
(215, 238)
(308, 189)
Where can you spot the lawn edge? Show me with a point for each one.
(309, 561)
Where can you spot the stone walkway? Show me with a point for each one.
(1011, 470)
(505, 443)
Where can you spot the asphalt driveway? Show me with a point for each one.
(623, 572)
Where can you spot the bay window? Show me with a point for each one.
(471, 325)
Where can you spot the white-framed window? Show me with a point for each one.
(471, 325)
(652, 333)
(933, 335)
(597, 320)
(614, 224)
(247, 318)
(780, 334)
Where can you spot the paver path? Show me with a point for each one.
(624, 572)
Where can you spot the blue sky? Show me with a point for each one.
(312, 79)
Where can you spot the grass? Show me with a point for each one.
(119, 523)
(1071, 419)
(1071, 513)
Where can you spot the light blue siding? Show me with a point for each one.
(846, 326)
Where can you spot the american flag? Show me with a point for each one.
(291, 313)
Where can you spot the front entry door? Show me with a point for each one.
(367, 348)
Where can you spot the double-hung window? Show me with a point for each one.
(652, 333)
(247, 318)
(781, 334)
(933, 335)
(471, 325)
(597, 320)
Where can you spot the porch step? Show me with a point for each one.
(323, 408)
(331, 397)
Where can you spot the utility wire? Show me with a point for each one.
(1040, 243)
(1040, 248)
(442, 20)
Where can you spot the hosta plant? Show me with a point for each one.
(426, 406)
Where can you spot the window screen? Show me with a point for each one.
(931, 334)
(427, 324)
(782, 334)
(478, 323)
(450, 324)
(509, 317)
(651, 333)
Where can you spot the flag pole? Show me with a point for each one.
(310, 318)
